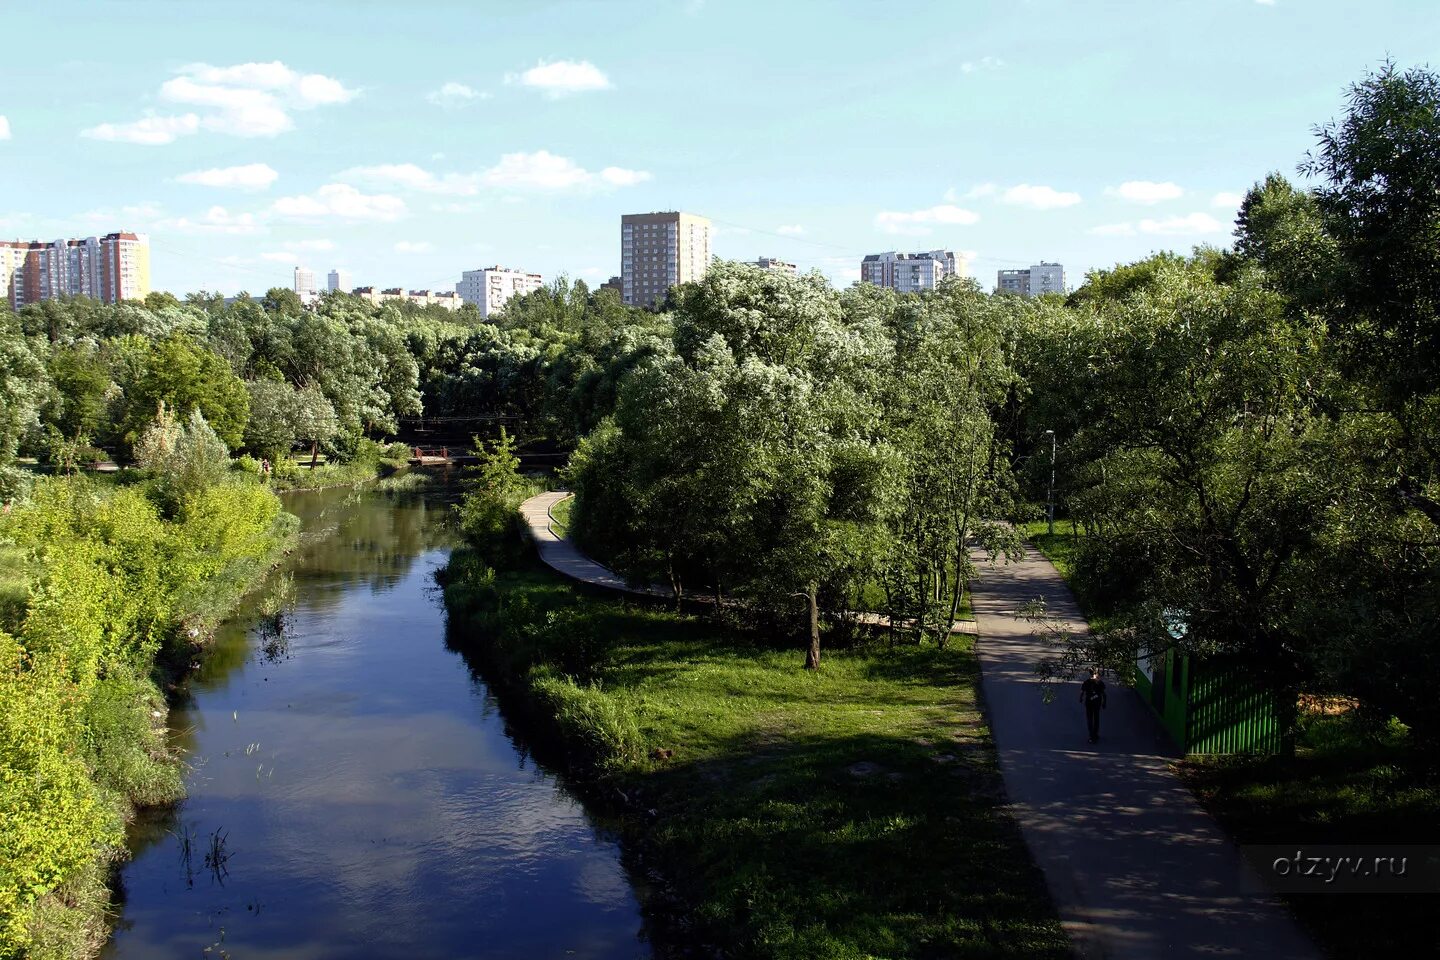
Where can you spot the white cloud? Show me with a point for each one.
(251, 176)
(547, 171)
(1227, 201)
(1183, 226)
(917, 221)
(132, 215)
(984, 63)
(151, 130)
(4, 128)
(620, 177)
(216, 220)
(408, 176)
(1188, 225)
(244, 100)
(1038, 197)
(340, 201)
(1145, 191)
(790, 229)
(561, 77)
(453, 94)
(414, 246)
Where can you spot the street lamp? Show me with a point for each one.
(1050, 497)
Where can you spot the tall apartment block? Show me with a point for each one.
(305, 284)
(111, 268)
(338, 281)
(659, 251)
(489, 288)
(910, 272)
(1040, 278)
(779, 266)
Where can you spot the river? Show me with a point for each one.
(353, 789)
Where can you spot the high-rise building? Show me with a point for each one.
(489, 288)
(338, 281)
(779, 266)
(1040, 278)
(111, 268)
(659, 251)
(305, 284)
(911, 272)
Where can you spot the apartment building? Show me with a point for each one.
(659, 251)
(1039, 278)
(491, 287)
(779, 266)
(111, 268)
(305, 285)
(910, 272)
(338, 281)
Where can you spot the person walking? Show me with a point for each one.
(1092, 694)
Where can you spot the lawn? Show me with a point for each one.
(1059, 547)
(851, 812)
(560, 514)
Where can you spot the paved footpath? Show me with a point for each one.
(1136, 867)
(565, 558)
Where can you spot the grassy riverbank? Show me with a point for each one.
(849, 812)
(106, 597)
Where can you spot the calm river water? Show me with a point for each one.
(353, 789)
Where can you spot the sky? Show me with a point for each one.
(406, 142)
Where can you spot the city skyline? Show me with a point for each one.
(243, 152)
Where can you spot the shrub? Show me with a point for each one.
(597, 724)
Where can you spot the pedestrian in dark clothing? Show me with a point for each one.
(1092, 694)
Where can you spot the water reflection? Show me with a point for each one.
(365, 795)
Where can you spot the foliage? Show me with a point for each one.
(108, 583)
(185, 460)
(851, 812)
(487, 514)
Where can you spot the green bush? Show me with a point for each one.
(595, 725)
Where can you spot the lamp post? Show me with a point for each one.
(1050, 497)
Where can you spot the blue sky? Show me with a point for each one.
(409, 141)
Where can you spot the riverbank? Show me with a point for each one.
(851, 812)
(108, 602)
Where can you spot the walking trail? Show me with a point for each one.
(1136, 867)
(564, 557)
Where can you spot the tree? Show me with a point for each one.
(22, 389)
(185, 377)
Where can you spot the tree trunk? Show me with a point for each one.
(812, 655)
(314, 453)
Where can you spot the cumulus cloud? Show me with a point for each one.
(561, 78)
(1227, 201)
(251, 176)
(216, 220)
(547, 171)
(1181, 226)
(131, 215)
(1145, 191)
(917, 222)
(243, 100)
(150, 130)
(339, 201)
(409, 176)
(414, 246)
(1038, 197)
(790, 229)
(453, 94)
(4, 128)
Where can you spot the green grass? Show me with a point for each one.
(1059, 547)
(1341, 786)
(850, 812)
(561, 515)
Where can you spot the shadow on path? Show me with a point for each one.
(1135, 865)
